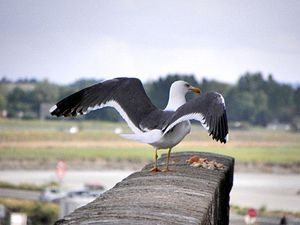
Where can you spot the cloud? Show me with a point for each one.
(114, 57)
(137, 38)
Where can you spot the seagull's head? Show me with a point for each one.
(184, 87)
(177, 94)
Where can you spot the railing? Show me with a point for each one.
(186, 195)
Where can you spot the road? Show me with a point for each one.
(239, 220)
(20, 194)
(72, 179)
(275, 192)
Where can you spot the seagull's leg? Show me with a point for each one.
(167, 162)
(155, 168)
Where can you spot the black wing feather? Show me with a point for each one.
(127, 92)
(211, 107)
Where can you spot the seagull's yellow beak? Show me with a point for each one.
(195, 90)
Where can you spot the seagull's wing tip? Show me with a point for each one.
(52, 109)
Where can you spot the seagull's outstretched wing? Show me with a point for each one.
(126, 95)
(208, 108)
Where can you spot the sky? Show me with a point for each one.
(66, 40)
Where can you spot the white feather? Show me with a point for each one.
(148, 137)
(227, 138)
(176, 95)
(222, 100)
(52, 108)
(192, 116)
(120, 110)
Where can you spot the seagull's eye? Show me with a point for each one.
(187, 85)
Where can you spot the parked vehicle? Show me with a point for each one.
(89, 190)
(52, 194)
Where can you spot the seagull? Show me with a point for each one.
(162, 129)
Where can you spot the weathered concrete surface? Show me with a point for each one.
(187, 195)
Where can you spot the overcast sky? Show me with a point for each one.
(67, 40)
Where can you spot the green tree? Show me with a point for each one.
(214, 85)
(280, 100)
(253, 99)
(240, 105)
(296, 100)
(262, 114)
(251, 82)
(19, 103)
(44, 92)
(83, 83)
(3, 96)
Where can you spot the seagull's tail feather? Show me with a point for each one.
(148, 137)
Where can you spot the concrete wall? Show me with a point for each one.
(186, 195)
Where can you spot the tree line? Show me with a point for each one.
(253, 99)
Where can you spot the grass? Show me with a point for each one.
(71, 153)
(32, 140)
(26, 186)
(242, 154)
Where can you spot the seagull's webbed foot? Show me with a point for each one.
(155, 169)
(167, 170)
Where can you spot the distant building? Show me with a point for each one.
(279, 126)
(69, 204)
